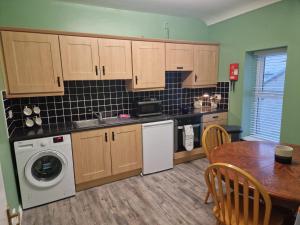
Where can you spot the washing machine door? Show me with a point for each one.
(45, 169)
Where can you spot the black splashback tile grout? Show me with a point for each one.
(109, 97)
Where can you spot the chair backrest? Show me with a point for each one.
(234, 191)
(213, 136)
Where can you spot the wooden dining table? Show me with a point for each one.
(281, 181)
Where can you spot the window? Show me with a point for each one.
(268, 95)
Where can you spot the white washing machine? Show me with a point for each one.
(45, 170)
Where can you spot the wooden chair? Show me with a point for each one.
(213, 136)
(239, 198)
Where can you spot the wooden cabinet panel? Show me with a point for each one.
(80, 58)
(115, 59)
(33, 64)
(205, 67)
(179, 57)
(148, 65)
(126, 148)
(214, 118)
(91, 154)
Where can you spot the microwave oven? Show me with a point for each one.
(148, 107)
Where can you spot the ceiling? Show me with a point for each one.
(210, 11)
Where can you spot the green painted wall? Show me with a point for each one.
(269, 27)
(5, 156)
(55, 15)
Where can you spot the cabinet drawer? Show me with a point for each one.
(214, 117)
(216, 122)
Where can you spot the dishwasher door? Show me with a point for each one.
(158, 146)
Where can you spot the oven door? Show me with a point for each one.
(179, 137)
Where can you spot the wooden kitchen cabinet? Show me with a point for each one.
(91, 155)
(179, 57)
(115, 59)
(205, 67)
(33, 65)
(80, 58)
(105, 155)
(85, 58)
(148, 59)
(126, 150)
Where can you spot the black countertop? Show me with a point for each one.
(21, 134)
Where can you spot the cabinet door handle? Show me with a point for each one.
(196, 77)
(105, 137)
(136, 79)
(179, 67)
(58, 81)
(113, 136)
(103, 70)
(215, 117)
(96, 68)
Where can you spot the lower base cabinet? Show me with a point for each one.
(104, 155)
(126, 149)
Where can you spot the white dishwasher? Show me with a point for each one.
(158, 146)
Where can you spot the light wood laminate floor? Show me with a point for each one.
(167, 198)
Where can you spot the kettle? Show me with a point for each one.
(198, 102)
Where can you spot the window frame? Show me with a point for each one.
(259, 92)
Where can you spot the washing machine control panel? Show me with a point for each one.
(58, 139)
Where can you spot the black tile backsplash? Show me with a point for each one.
(109, 97)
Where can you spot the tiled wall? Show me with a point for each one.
(109, 97)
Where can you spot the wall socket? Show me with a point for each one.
(10, 114)
(218, 96)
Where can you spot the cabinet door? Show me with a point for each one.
(80, 58)
(91, 154)
(179, 57)
(126, 148)
(33, 63)
(206, 65)
(148, 64)
(115, 59)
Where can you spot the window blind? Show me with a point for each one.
(268, 93)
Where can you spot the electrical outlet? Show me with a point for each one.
(218, 96)
(10, 114)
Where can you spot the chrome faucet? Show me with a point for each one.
(97, 114)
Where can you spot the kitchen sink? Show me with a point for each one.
(99, 123)
(118, 121)
(88, 123)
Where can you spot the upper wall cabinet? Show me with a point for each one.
(115, 59)
(80, 58)
(205, 67)
(148, 59)
(179, 57)
(33, 64)
(85, 58)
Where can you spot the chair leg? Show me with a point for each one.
(206, 197)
